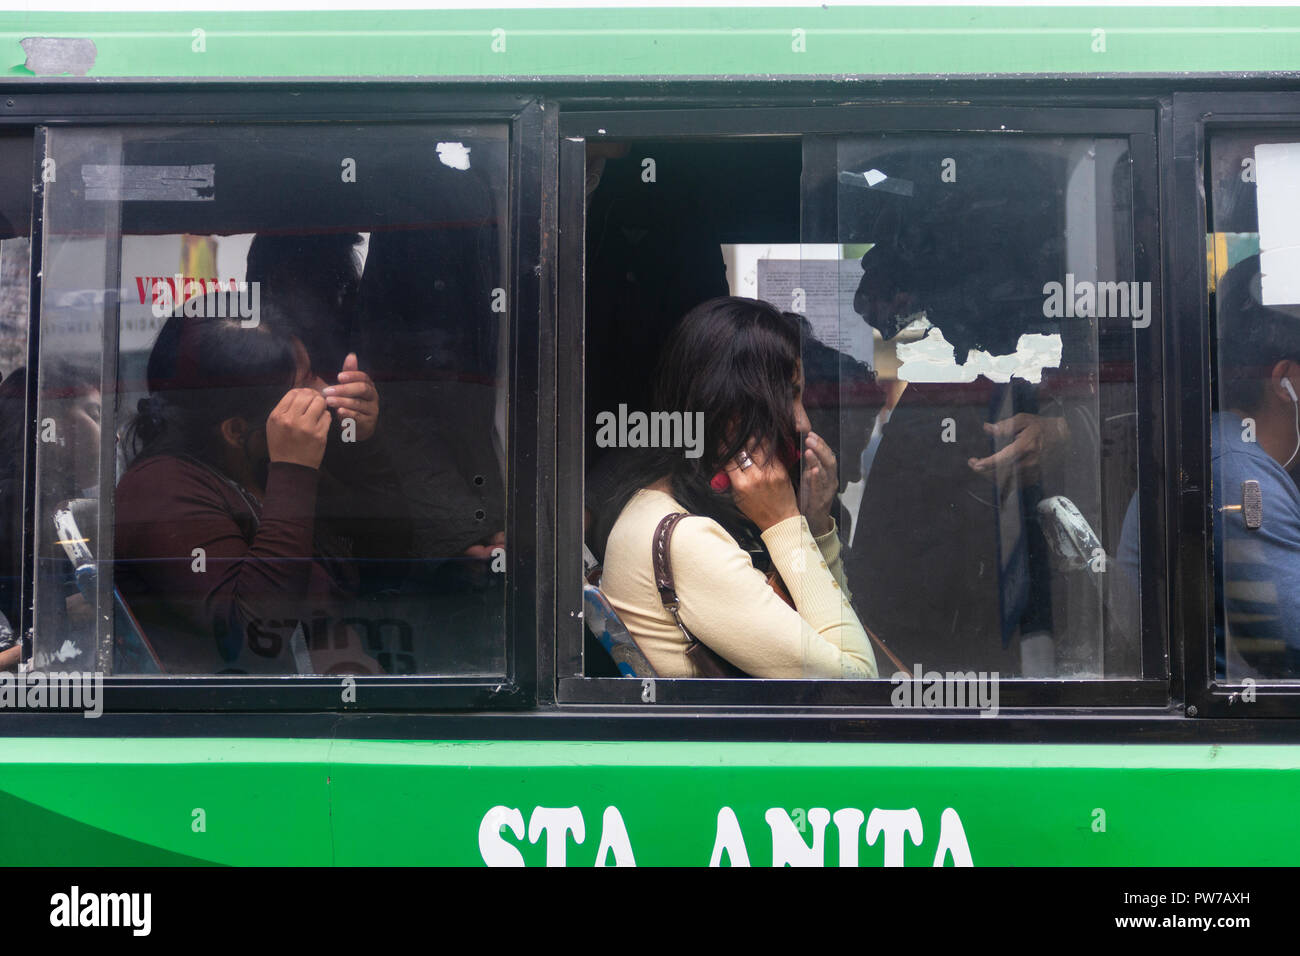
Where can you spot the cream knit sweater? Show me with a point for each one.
(726, 602)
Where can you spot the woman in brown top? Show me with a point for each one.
(216, 526)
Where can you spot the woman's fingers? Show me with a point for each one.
(737, 462)
(317, 413)
(363, 389)
(820, 450)
(300, 400)
(812, 465)
(355, 397)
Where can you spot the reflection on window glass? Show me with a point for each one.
(1256, 418)
(994, 459)
(297, 337)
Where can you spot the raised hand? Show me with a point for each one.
(761, 487)
(297, 428)
(1035, 438)
(819, 485)
(355, 397)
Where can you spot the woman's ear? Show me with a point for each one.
(233, 432)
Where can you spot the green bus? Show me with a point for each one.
(1015, 240)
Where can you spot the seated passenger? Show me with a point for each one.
(732, 366)
(11, 646)
(1255, 436)
(219, 549)
(70, 396)
(13, 395)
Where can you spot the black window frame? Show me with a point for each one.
(26, 526)
(531, 708)
(531, 193)
(1140, 125)
(1196, 117)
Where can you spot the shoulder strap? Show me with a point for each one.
(663, 569)
(706, 661)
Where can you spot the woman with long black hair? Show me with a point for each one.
(688, 590)
(218, 550)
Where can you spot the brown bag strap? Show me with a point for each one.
(663, 570)
(705, 660)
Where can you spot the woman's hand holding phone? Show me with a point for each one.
(762, 491)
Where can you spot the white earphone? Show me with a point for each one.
(1295, 402)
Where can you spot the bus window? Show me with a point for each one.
(673, 231)
(1255, 435)
(15, 259)
(958, 317)
(298, 336)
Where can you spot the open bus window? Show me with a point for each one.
(1255, 436)
(963, 310)
(298, 337)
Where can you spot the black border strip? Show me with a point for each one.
(531, 307)
(816, 126)
(1197, 116)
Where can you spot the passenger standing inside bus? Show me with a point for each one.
(309, 284)
(954, 564)
(733, 366)
(216, 526)
(428, 325)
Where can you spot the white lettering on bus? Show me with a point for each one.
(553, 826)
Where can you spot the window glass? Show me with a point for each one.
(959, 431)
(15, 261)
(1255, 434)
(976, 327)
(297, 336)
(694, 387)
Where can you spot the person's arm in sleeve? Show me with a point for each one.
(727, 604)
(237, 582)
(832, 553)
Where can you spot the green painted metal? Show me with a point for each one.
(262, 802)
(423, 802)
(691, 40)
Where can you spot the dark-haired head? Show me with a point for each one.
(314, 279)
(212, 384)
(736, 361)
(1253, 338)
(69, 393)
